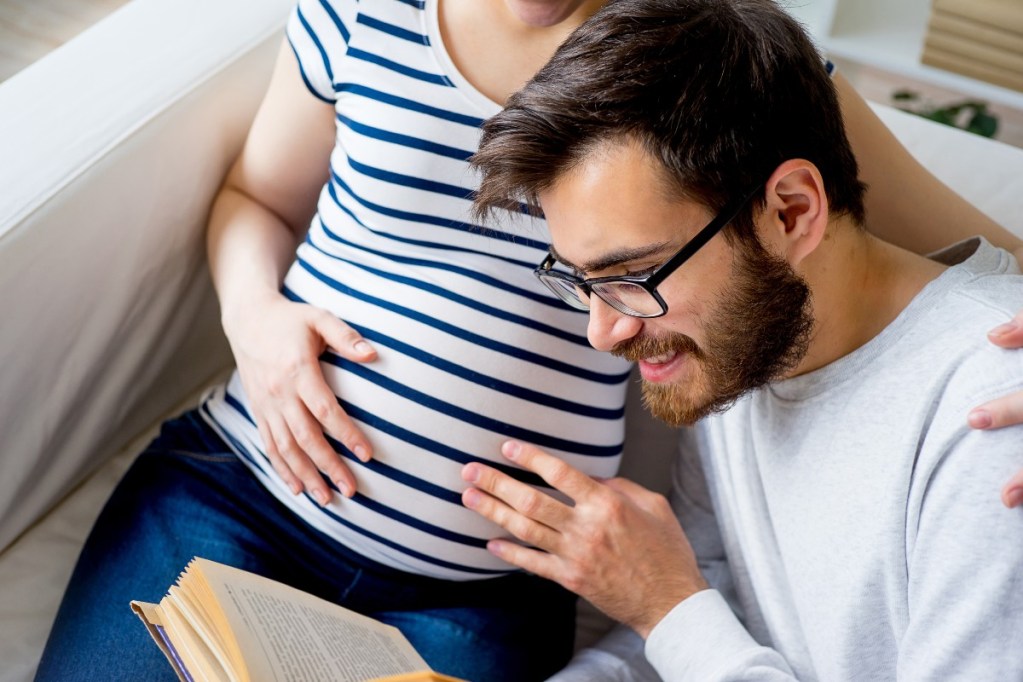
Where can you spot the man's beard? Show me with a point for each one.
(761, 329)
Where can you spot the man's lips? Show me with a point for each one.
(660, 368)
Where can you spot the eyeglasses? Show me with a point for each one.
(633, 295)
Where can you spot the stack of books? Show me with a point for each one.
(982, 39)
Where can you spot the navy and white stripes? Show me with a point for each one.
(472, 349)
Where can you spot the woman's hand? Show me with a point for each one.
(1007, 410)
(277, 352)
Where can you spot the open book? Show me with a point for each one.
(224, 624)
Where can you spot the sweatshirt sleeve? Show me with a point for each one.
(965, 554)
(702, 640)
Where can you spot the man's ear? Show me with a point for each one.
(796, 215)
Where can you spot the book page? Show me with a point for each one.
(286, 635)
(199, 661)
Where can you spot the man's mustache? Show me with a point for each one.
(640, 347)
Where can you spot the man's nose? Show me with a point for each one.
(608, 327)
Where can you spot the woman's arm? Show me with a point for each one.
(258, 218)
(906, 204)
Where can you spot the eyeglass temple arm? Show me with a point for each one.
(699, 240)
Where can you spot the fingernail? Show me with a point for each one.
(321, 497)
(343, 488)
(470, 473)
(1014, 497)
(495, 547)
(979, 419)
(363, 347)
(362, 452)
(470, 498)
(1003, 329)
(295, 488)
(511, 449)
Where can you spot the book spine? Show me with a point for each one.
(991, 74)
(1006, 15)
(973, 51)
(951, 25)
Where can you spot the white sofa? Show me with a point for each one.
(112, 148)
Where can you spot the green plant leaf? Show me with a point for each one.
(941, 116)
(983, 123)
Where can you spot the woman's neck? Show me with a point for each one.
(498, 45)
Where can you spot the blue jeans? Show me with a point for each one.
(188, 495)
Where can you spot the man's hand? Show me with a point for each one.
(1007, 410)
(618, 546)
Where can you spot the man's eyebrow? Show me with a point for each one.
(613, 258)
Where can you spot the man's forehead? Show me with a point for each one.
(614, 206)
(613, 256)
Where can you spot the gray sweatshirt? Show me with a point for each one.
(848, 518)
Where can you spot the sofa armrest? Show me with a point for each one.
(113, 148)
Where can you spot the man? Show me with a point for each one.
(835, 508)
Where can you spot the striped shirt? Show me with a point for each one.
(472, 349)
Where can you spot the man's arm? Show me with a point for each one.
(964, 560)
(619, 656)
(1005, 410)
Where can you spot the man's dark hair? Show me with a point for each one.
(720, 92)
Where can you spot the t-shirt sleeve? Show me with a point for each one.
(318, 32)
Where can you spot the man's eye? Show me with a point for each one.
(641, 273)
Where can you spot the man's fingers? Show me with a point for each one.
(558, 474)
(1010, 334)
(521, 526)
(1004, 411)
(524, 499)
(539, 563)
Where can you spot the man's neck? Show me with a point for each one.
(860, 284)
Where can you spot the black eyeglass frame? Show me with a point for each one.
(647, 282)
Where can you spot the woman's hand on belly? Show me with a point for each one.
(277, 353)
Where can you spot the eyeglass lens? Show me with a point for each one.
(625, 297)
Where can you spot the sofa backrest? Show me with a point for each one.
(112, 147)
